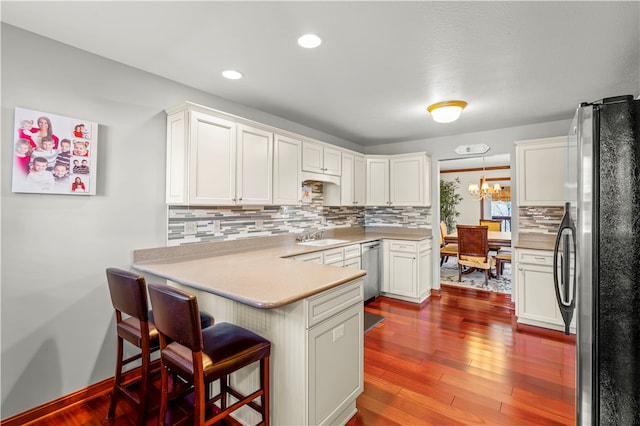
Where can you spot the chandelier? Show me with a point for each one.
(484, 191)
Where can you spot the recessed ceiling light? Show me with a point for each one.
(309, 41)
(232, 75)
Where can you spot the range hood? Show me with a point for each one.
(321, 178)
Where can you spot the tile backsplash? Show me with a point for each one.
(543, 219)
(217, 223)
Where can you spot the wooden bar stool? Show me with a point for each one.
(200, 357)
(134, 323)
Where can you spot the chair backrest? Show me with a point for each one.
(176, 315)
(443, 232)
(493, 224)
(472, 241)
(128, 293)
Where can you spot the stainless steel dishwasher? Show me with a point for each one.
(371, 262)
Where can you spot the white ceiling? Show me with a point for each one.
(381, 63)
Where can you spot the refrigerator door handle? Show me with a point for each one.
(567, 231)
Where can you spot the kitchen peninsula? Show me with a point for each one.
(312, 313)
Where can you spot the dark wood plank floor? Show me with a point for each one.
(458, 359)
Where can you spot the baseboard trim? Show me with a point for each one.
(90, 392)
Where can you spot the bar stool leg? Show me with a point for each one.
(117, 380)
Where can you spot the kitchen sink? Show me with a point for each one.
(321, 243)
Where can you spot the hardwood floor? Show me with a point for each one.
(457, 359)
(461, 359)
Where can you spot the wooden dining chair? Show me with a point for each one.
(492, 224)
(446, 250)
(473, 250)
(198, 358)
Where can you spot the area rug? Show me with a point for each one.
(371, 320)
(449, 276)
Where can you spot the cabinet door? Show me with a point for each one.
(406, 181)
(346, 180)
(255, 166)
(177, 148)
(536, 299)
(287, 176)
(312, 157)
(332, 161)
(377, 182)
(335, 364)
(359, 177)
(424, 272)
(402, 274)
(212, 170)
(540, 167)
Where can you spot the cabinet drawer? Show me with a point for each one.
(536, 257)
(327, 304)
(354, 263)
(406, 246)
(316, 257)
(352, 251)
(333, 255)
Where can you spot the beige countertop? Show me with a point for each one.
(535, 241)
(256, 271)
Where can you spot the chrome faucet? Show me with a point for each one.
(311, 236)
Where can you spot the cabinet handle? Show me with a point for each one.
(520, 268)
(540, 258)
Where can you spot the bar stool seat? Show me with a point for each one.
(199, 357)
(134, 324)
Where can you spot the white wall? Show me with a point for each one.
(57, 321)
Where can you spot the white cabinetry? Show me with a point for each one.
(352, 183)
(287, 170)
(317, 369)
(212, 160)
(535, 294)
(407, 270)
(321, 158)
(540, 167)
(347, 256)
(377, 181)
(336, 354)
(399, 180)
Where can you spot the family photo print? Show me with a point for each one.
(54, 154)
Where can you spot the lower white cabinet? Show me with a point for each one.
(347, 256)
(317, 355)
(535, 293)
(407, 270)
(335, 366)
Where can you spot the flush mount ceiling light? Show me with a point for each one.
(309, 41)
(447, 111)
(232, 74)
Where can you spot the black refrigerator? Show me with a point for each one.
(597, 259)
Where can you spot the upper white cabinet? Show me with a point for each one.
(287, 170)
(377, 181)
(321, 158)
(352, 183)
(213, 160)
(399, 180)
(540, 169)
(254, 166)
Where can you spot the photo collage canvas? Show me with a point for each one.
(54, 154)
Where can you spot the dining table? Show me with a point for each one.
(494, 238)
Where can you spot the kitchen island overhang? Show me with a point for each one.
(312, 314)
